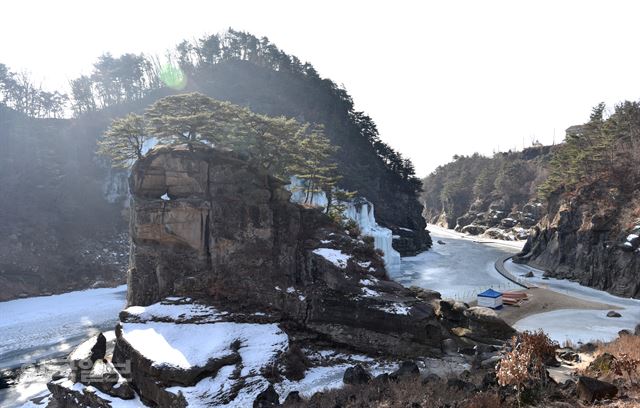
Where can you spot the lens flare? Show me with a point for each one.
(173, 77)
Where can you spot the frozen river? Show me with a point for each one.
(465, 265)
(459, 268)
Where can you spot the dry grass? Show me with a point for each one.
(400, 394)
(487, 399)
(629, 345)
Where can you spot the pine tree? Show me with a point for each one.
(124, 140)
(193, 116)
(311, 160)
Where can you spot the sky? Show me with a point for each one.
(438, 77)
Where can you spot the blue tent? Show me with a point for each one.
(490, 293)
(490, 298)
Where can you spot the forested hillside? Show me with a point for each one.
(475, 193)
(51, 163)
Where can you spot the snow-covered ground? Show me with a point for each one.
(459, 269)
(575, 324)
(40, 327)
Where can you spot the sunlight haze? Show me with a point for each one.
(439, 78)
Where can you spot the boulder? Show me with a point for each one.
(508, 222)
(568, 355)
(460, 385)
(465, 220)
(425, 294)
(356, 375)
(590, 390)
(474, 229)
(613, 313)
(431, 378)
(407, 369)
(602, 364)
(452, 310)
(99, 350)
(485, 323)
(267, 398)
(293, 398)
(529, 274)
(636, 331)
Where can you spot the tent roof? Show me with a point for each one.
(490, 293)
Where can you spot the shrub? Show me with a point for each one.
(626, 365)
(525, 362)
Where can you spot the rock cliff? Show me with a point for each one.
(235, 291)
(590, 236)
(206, 225)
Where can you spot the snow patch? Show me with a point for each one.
(334, 256)
(396, 308)
(370, 293)
(193, 345)
(163, 311)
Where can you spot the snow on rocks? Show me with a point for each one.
(187, 346)
(396, 308)
(335, 256)
(369, 293)
(173, 312)
(77, 394)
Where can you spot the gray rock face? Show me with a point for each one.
(587, 239)
(229, 234)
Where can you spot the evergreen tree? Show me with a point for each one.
(124, 141)
(190, 117)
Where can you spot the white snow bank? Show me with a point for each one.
(192, 345)
(334, 256)
(163, 311)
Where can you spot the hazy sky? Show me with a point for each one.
(439, 78)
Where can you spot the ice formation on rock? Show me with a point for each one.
(359, 210)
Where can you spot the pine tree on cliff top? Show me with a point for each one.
(124, 140)
(281, 146)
